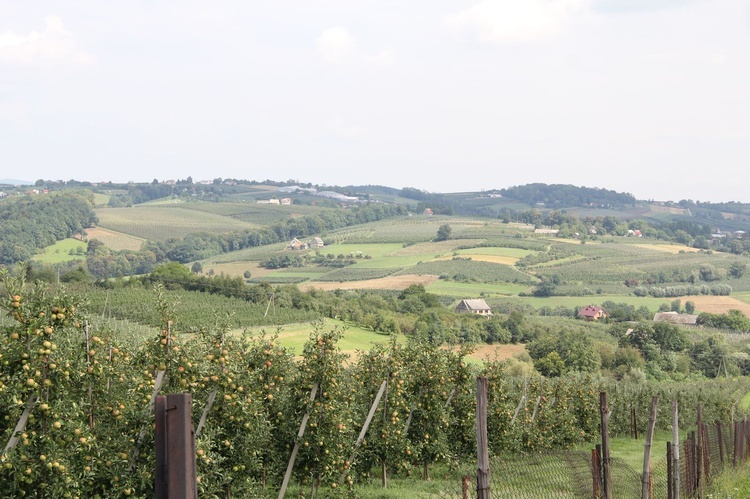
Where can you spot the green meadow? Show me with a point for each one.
(62, 251)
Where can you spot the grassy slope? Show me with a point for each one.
(60, 252)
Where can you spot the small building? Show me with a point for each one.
(286, 200)
(593, 313)
(316, 242)
(476, 306)
(296, 244)
(427, 212)
(676, 318)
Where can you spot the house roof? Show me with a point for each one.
(475, 304)
(591, 311)
(675, 318)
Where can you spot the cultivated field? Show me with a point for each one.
(160, 222)
(391, 282)
(115, 240)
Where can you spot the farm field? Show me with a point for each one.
(474, 289)
(101, 199)
(669, 248)
(61, 252)
(294, 336)
(115, 240)
(159, 223)
(391, 282)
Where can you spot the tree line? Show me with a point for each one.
(30, 223)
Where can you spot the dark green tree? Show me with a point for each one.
(443, 233)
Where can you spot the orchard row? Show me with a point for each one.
(80, 399)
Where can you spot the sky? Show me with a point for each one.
(650, 97)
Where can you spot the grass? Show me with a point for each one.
(60, 252)
(294, 336)
(101, 199)
(732, 484)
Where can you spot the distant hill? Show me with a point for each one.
(559, 196)
(12, 181)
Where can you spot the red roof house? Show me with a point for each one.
(592, 313)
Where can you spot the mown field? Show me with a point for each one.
(62, 251)
(115, 240)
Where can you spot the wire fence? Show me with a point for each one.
(572, 474)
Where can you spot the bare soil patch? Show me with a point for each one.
(717, 304)
(504, 260)
(668, 248)
(115, 240)
(390, 282)
(667, 209)
(501, 352)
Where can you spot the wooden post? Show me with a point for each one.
(174, 439)
(295, 450)
(466, 487)
(676, 449)
(206, 410)
(670, 474)
(706, 455)
(21, 424)
(699, 445)
(646, 477)
(605, 445)
(721, 444)
(689, 445)
(363, 432)
(596, 472)
(735, 455)
(483, 459)
(161, 377)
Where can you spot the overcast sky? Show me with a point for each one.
(650, 97)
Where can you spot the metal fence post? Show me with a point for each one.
(175, 448)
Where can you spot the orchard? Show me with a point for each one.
(76, 405)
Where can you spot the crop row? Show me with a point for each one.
(465, 269)
(355, 274)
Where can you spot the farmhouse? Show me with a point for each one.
(593, 313)
(675, 318)
(476, 306)
(316, 242)
(296, 244)
(427, 212)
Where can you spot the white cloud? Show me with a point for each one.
(338, 128)
(507, 21)
(53, 45)
(336, 45)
